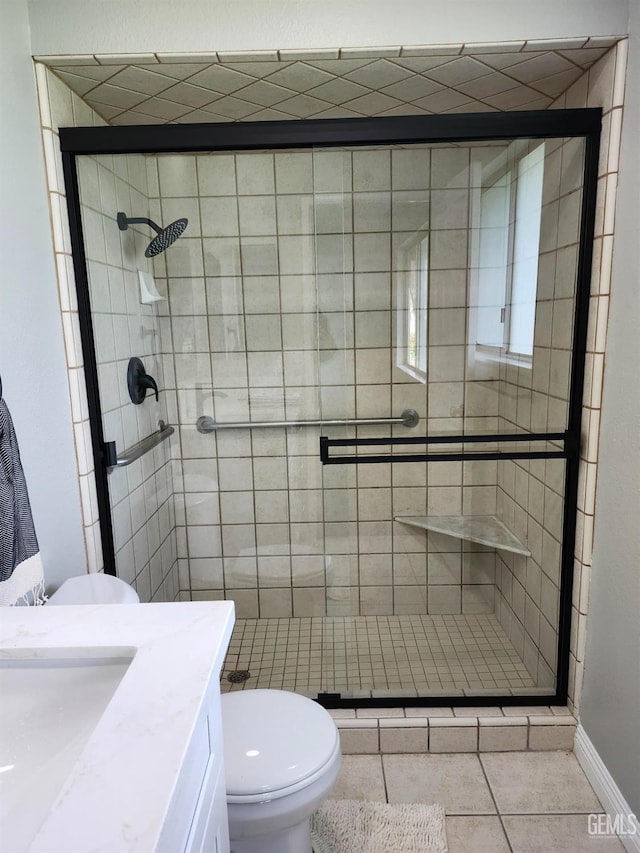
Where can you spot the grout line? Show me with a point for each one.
(495, 802)
(384, 775)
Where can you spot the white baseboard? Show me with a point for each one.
(605, 787)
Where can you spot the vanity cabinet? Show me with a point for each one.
(196, 821)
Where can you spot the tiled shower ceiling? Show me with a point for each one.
(345, 83)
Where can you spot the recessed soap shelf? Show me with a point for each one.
(484, 529)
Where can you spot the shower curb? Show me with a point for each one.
(451, 730)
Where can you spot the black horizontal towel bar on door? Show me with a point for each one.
(567, 451)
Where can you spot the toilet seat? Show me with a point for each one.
(275, 743)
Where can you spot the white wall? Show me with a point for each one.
(120, 26)
(32, 359)
(610, 709)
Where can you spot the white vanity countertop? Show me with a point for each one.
(116, 796)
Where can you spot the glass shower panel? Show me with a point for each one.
(454, 267)
(524, 233)
(127, 322)
(530, 500)
(333, 217)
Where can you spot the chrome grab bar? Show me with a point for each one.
(409, 418)
(119, 460)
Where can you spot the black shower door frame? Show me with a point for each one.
(246, 136)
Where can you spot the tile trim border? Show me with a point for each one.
(605, 786)
(346, 52)
(563, 728)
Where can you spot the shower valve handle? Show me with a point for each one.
(139, 382)
(147, 381)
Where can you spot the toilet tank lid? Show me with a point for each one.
(95, 588)
(273, 740)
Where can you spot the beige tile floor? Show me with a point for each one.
(373, 655)
(518, 802)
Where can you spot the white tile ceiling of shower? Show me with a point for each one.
(341, 83)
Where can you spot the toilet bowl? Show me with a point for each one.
(281, 756)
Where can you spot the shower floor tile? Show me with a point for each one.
(368, 656)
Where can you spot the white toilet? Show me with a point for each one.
(281, 758)
(94, 589)
(281, 750)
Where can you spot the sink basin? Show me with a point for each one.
(51, 703)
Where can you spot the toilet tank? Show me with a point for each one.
(94, 589)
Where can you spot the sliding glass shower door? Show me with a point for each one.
(368, 356)
(456, 266)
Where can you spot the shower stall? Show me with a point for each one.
(368, 338)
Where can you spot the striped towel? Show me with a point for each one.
(21, 573)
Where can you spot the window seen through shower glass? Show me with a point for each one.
(505, 256)
(345, 283)
(413, 303)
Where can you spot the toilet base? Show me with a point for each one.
(282, 825)
(295, 839)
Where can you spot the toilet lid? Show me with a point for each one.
(96, 588)
(273, 739)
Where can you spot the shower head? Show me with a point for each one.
(164, 236)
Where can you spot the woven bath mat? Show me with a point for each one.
(353, 826)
